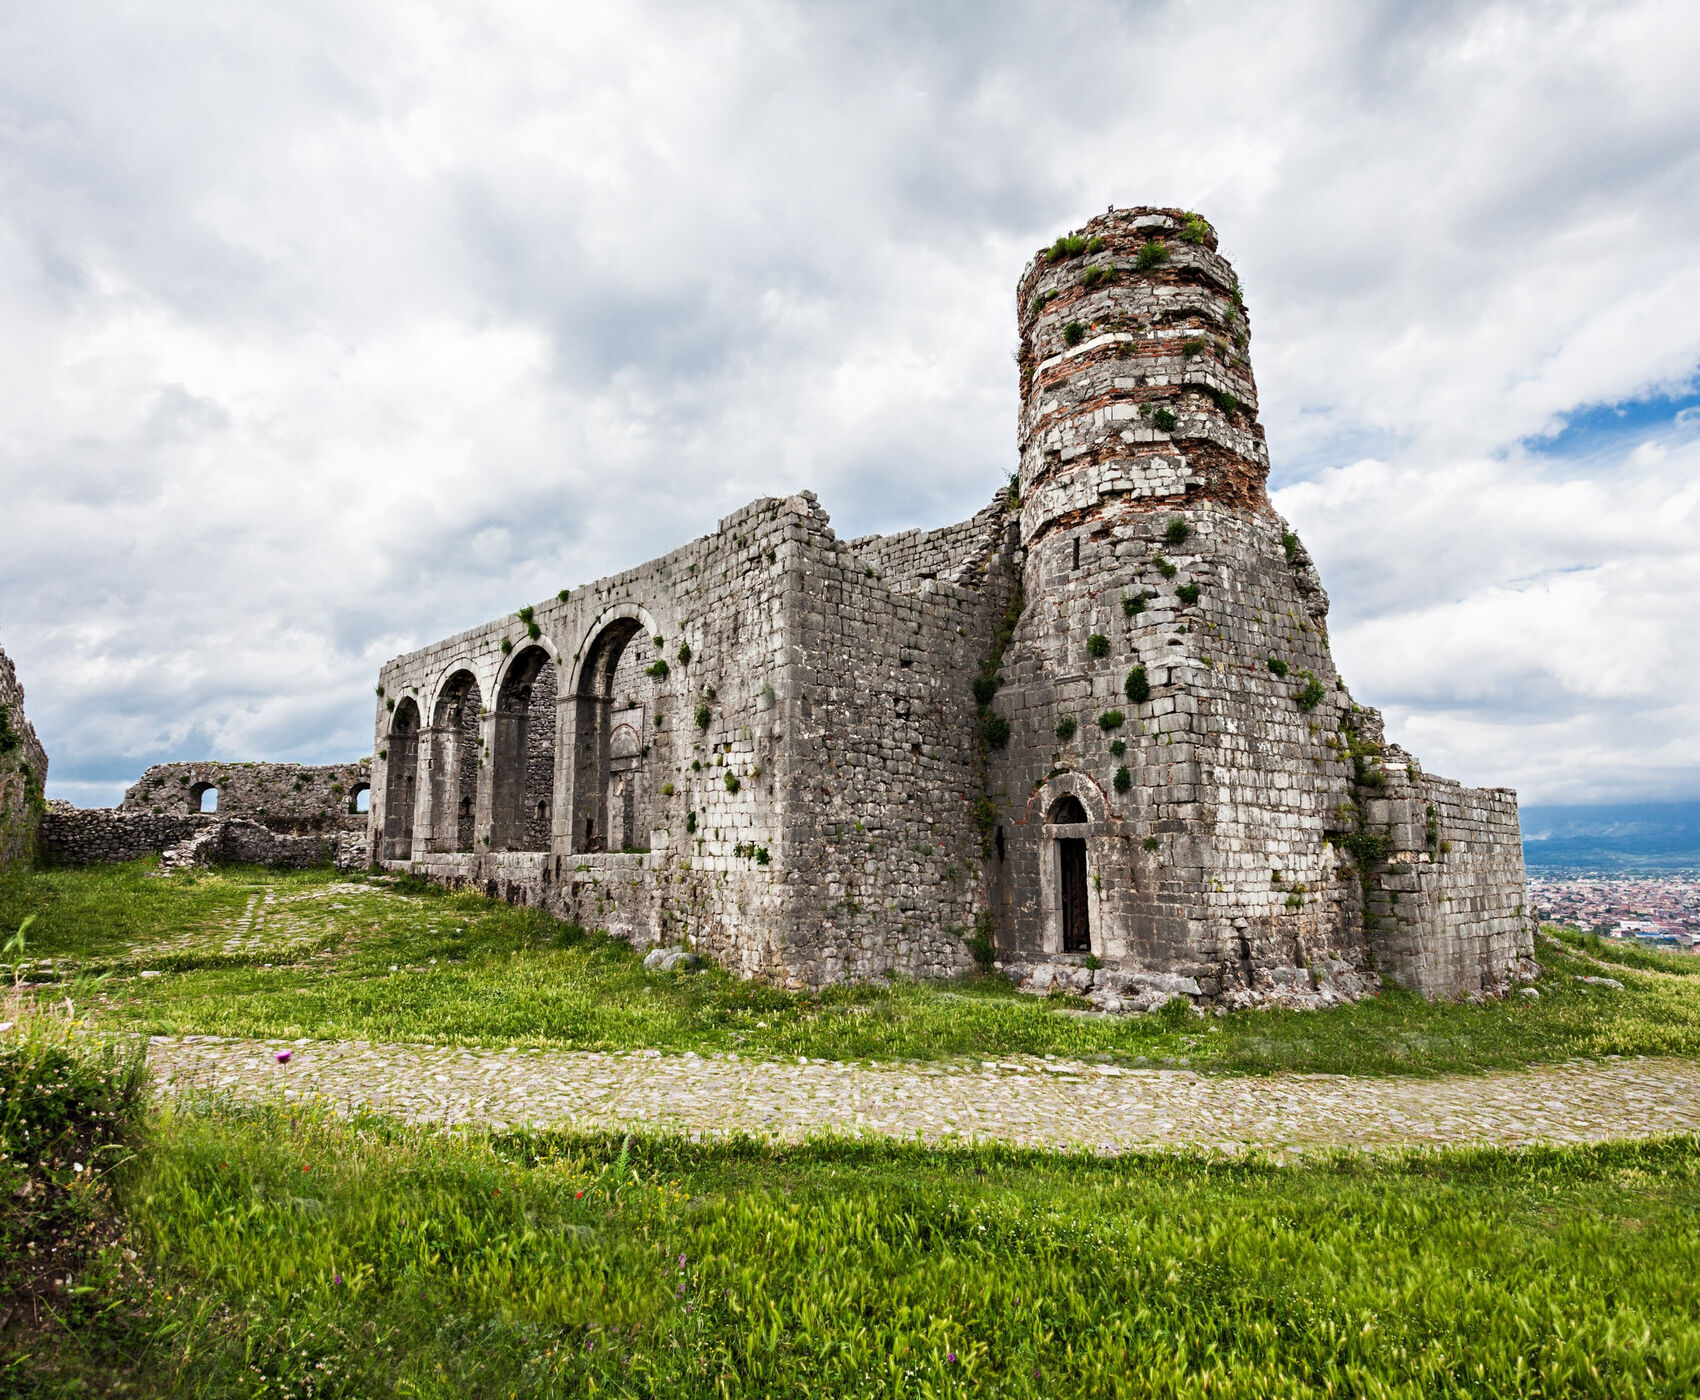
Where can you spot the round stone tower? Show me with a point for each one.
(1136, 380)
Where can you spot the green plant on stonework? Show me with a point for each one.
(1118, 747)
(1069, 245)
(1133, 604)
(732, 783)
(1095, 244)
(525, 614)
(1123, 779)
(389, 704)
(1066, 727)
(1311, 694)
(507, 645)
(657, 668)
(1277, 667)
(1187, 593)
(1151, 255)
(1097, 277)
(1194, 229)
(1163, 420)
(1073, 333)
(1290, 545)
(690, 823)
(981, 947)
(1431, 830)
(1150, 843)
(1193, 346)
(1098, 646)
(1111, 719)
(1163, 566)
(683, 655)
(380, 696)
(1012, 491)
(985, 689)
(563, 595)
(1137, 686)
(1176, 532)
(1226, 402)
(703, 715)
(994, 730)
(1041, 301)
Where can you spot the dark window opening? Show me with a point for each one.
(1000, 843)
(361, 801)
(1076, 926)
(1067, 811)
(542, 811)
(209, 799)
(1077, 551)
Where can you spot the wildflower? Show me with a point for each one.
(76, 1166)
(681, 1261)
(578, 1195)
(950, 1358)
(284, 1056)
(336, 1278)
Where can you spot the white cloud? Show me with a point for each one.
(333, 329)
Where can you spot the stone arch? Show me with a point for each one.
(616, 712)
(457, 753)
(523, 752)
(401, 781)
(358, 791)
(1072, 806)
(198, 794)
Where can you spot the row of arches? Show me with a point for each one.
(472, 775)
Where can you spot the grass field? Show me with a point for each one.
(208, 1249)
(259, 953)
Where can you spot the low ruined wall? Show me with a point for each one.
(290, 798)
(104, 835)
(23, 773)
(1447, 913)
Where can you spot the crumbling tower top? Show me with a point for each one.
(1136, 383)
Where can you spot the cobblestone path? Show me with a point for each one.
(1037, 1103)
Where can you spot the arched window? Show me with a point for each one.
(361, 801)
(1067, 811)
(524, 749)
(203, 797)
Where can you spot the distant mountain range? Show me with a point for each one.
(1649, 838)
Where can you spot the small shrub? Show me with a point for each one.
(507, 645)
(1111, 719)
(657, 668)
(1152, 255)
(1095, 244)
(1150, 843)
(1164, 567)
(732, 783)
(1097, 276)
(525, 614)
(1194, 229)
(1193, 346)
(1012, 490)
(380, 694)
(1290, 543)
(563, 595)
(704, 714)
(1138, 685)
(390, 704)
(980, 946)
(1175, 1013)
(1066, 727)
(1123, 779)
(1177, 532)
(533, 631)
(1311, 696)
(1133, 604)
(1187, 593)
(684, 653)
(985, 688)
(1098, 646)
(1117, 747)
(1367, 848)
(1228, 403)
(1040, 302)
(667, 789)
(1277, 667)
(1070, 245)
(1073, 333)
(1163, 421)
(994, 729)
(690, 822)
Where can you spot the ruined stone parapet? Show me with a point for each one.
(23, 773)
(287, 798)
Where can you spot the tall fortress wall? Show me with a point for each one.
(1092, 737)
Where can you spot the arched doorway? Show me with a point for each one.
(401, 782)
(455, 751)
(616, 710)
(360, 800)
(203, 797)
(1074, 901)
(523, 780)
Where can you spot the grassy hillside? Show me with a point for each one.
(262, 953)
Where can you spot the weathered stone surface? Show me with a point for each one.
(288, 798)
(23, 773)
(768, 745)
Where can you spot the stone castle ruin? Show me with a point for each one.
(1092, 736)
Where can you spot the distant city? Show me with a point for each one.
(1662, 911)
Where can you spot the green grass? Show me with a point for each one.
(295, 1254)
(331, 957)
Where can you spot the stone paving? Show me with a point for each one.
(1029, 1102)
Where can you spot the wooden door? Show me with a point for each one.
(1076, 927)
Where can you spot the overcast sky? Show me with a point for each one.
(331, 329)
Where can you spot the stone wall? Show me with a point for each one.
(105, 835)
(23, 773)
(1102, 709)
(289, 798)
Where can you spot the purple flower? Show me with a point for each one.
(950, 1358)
(283, 1056)
(681, 1261)
(336, 1278)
